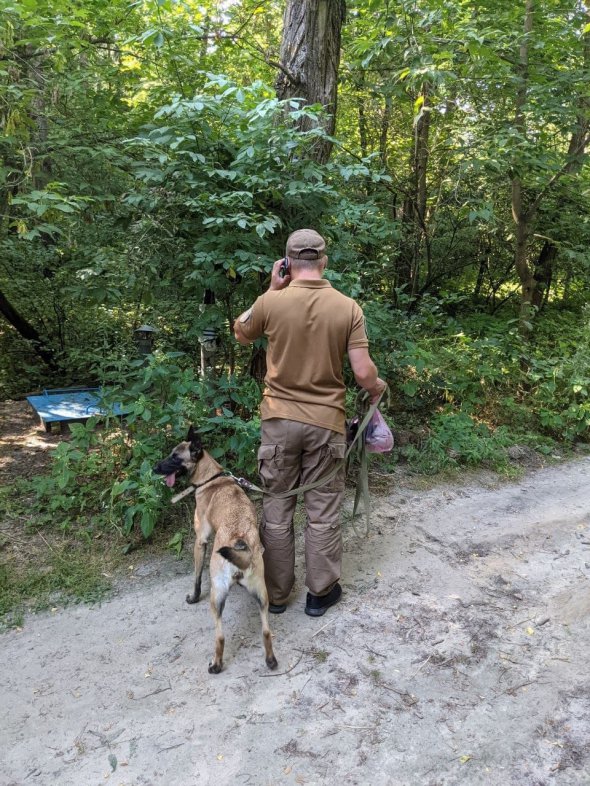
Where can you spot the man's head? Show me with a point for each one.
(306, 250)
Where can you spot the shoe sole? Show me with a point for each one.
(316, 612)
(277, 609)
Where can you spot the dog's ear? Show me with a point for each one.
(196, 446)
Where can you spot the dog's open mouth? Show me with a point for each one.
(170, 468)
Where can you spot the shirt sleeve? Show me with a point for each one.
(358, 334)
(252, 321)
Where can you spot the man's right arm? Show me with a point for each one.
(238, 332)
(365, 372)
(250, 325)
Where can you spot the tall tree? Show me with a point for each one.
(524, 211)
(310, 59)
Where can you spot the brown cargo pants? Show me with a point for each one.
(293, 454)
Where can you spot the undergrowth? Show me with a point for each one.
(467, 388)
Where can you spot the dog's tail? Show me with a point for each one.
(238, 554)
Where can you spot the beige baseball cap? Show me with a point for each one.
(305, 244)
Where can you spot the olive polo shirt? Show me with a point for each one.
(310, 326)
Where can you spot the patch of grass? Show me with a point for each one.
(69, 575)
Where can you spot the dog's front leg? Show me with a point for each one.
(202, 532)
(200, 553)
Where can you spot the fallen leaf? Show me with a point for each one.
(219, 757)
(530, 630)
(465, 758)
(287, 770)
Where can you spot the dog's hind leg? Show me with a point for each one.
(218, 598)
(257, 588)
(202, 533)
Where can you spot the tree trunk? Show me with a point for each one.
(27, 331)
(363, 135)
(384, 131)
(309, 60)
(523, 218)
(544, 273)
(414, 227)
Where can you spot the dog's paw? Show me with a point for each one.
(193, 598)
(272, 663)
(215, 668)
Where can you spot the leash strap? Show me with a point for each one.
(362, 490)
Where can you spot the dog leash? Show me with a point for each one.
(362, 489)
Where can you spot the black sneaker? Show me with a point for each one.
(277, 608)
(316, 605)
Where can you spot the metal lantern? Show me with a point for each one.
(208, 339)
(144, 339)
(208, 342)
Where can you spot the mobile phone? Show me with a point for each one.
(284, 268)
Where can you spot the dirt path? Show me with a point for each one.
(25, 446)
(459, 655)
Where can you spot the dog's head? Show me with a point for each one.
(182, 460)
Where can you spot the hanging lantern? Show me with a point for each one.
(144, 339)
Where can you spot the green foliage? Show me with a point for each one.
(473, 387)
(176, 543)
(455, 439)
(102, 477)
(148, 173)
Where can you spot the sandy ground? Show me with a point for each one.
(458, 655)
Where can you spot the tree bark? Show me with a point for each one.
(309, 61)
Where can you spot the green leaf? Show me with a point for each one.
(148, 522)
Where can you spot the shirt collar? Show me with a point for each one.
(311, 283)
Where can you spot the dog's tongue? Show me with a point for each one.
(170, 479)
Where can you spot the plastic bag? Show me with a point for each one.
(378, 436)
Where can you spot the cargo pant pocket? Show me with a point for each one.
(335, 452)
(271, 467)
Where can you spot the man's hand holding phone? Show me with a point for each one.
(281, 275)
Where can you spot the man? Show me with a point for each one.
(310, 326)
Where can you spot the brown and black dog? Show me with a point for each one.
(222, 507)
